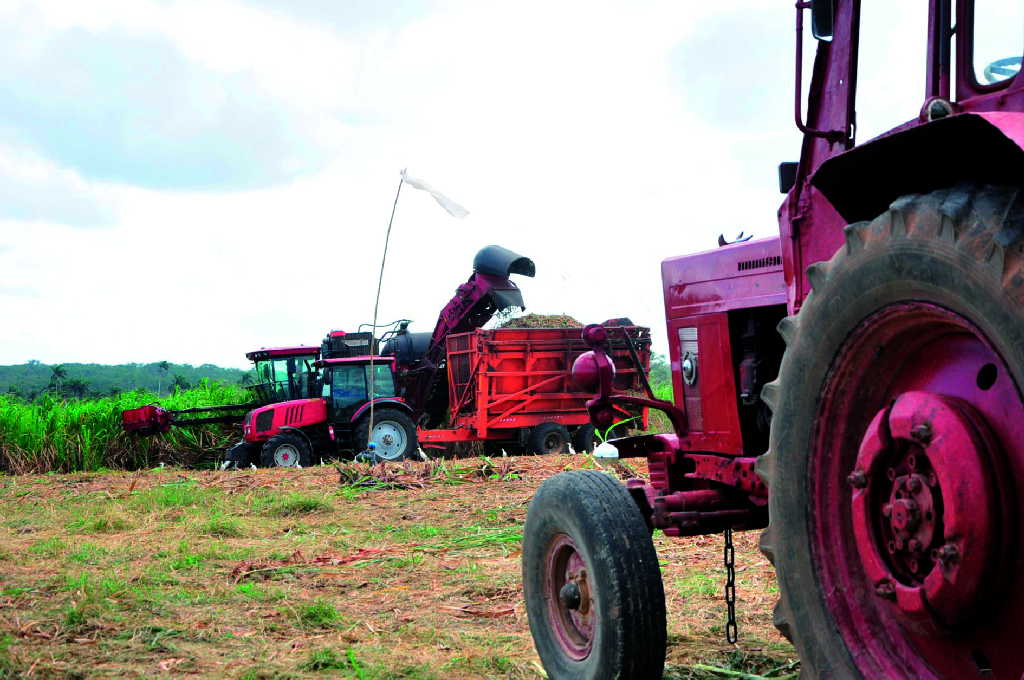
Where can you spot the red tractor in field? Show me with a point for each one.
(853, 387)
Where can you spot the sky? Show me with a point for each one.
(190, 180)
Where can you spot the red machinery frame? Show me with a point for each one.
(501, 381)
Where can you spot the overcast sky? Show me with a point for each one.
(187, 181)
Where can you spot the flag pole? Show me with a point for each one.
(376, 304)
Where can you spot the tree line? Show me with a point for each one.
(31, 380)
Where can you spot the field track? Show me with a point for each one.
(405, 572)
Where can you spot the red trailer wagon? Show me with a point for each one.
(512, 388)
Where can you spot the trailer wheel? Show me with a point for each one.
(549, 438)
(286, 450)
(594, 595)
(897, 446)
(393, 433)
(584, 439)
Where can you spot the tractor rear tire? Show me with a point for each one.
(593, 588)
(548, 438)
(920, 314)
(584, 439)
(394, 434)
(286, 450)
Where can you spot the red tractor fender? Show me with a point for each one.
(381, 401)
(985, 148)
(263, 423)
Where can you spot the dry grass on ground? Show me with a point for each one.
(290, 574)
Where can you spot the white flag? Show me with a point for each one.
(453, 208)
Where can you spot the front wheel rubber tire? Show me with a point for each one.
(592, 583)
(241, 455)
(286, 450)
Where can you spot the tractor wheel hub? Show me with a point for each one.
(924, 522)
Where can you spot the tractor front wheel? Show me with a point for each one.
(897, 447)
(286, 450)
(241, 455)
(593, 587)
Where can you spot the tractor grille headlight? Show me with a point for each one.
(264, 420)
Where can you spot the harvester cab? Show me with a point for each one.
(285, 373)
(855, 387)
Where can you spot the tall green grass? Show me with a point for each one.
(67, 435)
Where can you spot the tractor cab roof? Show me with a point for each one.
(281, 352)
(364, 359)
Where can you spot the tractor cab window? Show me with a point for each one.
(891, 73)
(286, 378)
(998, 40)
(383, 382)
(348, 386)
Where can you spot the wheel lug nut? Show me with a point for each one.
(922, 433)
(948, 553)
(914, 484)
(886, 590)
(857, 479)
(914, 545)
(887, 509)
(570, 596)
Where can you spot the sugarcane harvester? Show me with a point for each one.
(283, 373)
(855, 387)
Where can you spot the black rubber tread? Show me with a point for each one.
(583, 439)
(962, 248)
(242, 454)
(296, 440)
(362, 430)
(597, 512)
(538, 435)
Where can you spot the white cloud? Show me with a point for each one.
(563, 127)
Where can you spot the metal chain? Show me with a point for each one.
(731, 631)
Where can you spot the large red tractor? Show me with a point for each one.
(877, 436)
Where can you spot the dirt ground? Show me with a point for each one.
(322, 572)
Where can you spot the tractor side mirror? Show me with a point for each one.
(822, 19)
(787, 176)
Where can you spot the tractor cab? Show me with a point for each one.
(348, 382)
(285, 373)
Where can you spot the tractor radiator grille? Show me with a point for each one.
(294, 414)
(688, 340)
(689, 344)
(745, 265)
